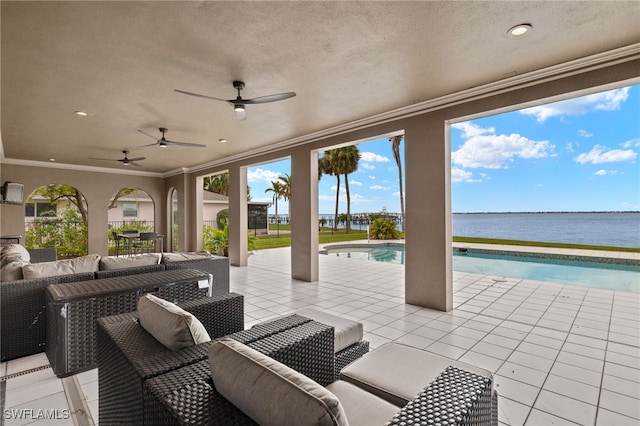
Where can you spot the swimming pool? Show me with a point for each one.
(575, 270)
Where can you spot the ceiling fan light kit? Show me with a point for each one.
(239, 103)
(125, 161)
(164, 142)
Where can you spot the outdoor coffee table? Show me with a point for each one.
(73, 308)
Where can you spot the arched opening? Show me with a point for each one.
(129, 209)
(56, 215)
(173, 220)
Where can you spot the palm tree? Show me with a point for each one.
(395, 146)
(277, 189)
(327, 165)
(286, 190)
(217, 183)
(347, 163)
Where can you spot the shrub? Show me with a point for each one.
(383, 229)
(222, 218)
(216, 241)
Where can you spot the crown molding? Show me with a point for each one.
(51, 165)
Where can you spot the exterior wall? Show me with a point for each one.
(211, 209)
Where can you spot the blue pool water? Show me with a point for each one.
(557, 270)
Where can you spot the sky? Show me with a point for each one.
(581, 154)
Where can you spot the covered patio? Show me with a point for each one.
(561, 354)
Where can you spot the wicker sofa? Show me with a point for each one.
(23, 324)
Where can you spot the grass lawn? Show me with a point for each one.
(326, 236)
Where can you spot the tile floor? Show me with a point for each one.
(561, 354)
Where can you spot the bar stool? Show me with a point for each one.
(116, 240)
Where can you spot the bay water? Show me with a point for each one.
(618, 229)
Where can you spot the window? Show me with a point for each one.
(39, 209)
(129, 209)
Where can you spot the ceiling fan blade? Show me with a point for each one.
(197, 95)
(241, 114)
(137, 159)
(185, 144)
(269, 98)
(133, 163)
(151, 144)
(147, 134)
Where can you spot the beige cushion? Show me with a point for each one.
(13, 252)
(347, 332)
(268, 391)
(179, 257)
(361, 407)
(77, 265)
(12, 271)
(109, 263)
(397, 373)
(171, 325)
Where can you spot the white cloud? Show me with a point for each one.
(379, 187)
(569, 147)
(342, 189)
(485, 149)
(605, 101)
(631, 143)
(397, 194)
(603, 172)
(470, 130)
(372, 157)
(584, 133)
(599, 155)
(372, 177)
(261, 175)
(367, 166)
(459, 175)
(355, 182)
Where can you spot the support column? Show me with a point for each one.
(304, 215)
(197, 213)
(428, 262)
(238, 249)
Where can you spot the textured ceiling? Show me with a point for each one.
(121, 61)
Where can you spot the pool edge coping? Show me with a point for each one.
(542, 253)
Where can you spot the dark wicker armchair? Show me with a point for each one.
(128, 355)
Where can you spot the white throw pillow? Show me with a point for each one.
(268, 391)
(77, 265)
(13, 252)
(171, 325)
(109, 263)
(12, 271)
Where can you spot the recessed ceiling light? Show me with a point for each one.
(519, 30)
(82, 113)
(52, 159)
(222, 140)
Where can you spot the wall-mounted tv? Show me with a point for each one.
(12, 192)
